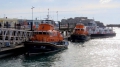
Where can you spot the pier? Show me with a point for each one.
(11, 39)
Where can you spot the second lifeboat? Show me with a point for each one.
(79, 33)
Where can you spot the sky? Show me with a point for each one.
(105, 11)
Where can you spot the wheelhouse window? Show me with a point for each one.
(40, 32)
(82, 29)
(35, 33)
(77, 29)
(44, 33)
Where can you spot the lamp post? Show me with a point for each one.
(32, 18)
(57, 16)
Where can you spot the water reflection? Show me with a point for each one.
(78, 43)
(42, 60)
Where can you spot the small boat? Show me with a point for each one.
(45, 39)
(79, 33)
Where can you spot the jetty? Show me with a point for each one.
(11, 40)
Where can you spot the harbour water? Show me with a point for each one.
(100, 52)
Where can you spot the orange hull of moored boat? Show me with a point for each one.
(45, 39)
(79, 33)
(46, 33)
(80, 30)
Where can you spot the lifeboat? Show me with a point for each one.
(79, 33)
(45, 39)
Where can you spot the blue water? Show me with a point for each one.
(100, 52)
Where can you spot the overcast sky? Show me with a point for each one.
(106, 11)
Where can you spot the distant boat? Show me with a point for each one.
(79, 33)
(97, 31)
(45, 39)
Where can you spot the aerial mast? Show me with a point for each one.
(48, 14)
(57, 16)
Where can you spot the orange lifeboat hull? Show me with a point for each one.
(79, 34)
(45, 40)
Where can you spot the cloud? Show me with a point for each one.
(105, 1)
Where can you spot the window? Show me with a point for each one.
(76, 29)
(40, 32)
(44, 33)
(82, 29)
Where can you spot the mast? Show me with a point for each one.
(48, 15)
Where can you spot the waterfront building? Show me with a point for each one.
(84, 20)
(35, 23)
(8, 22)
(18, 23)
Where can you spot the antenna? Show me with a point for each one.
(48, 14)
